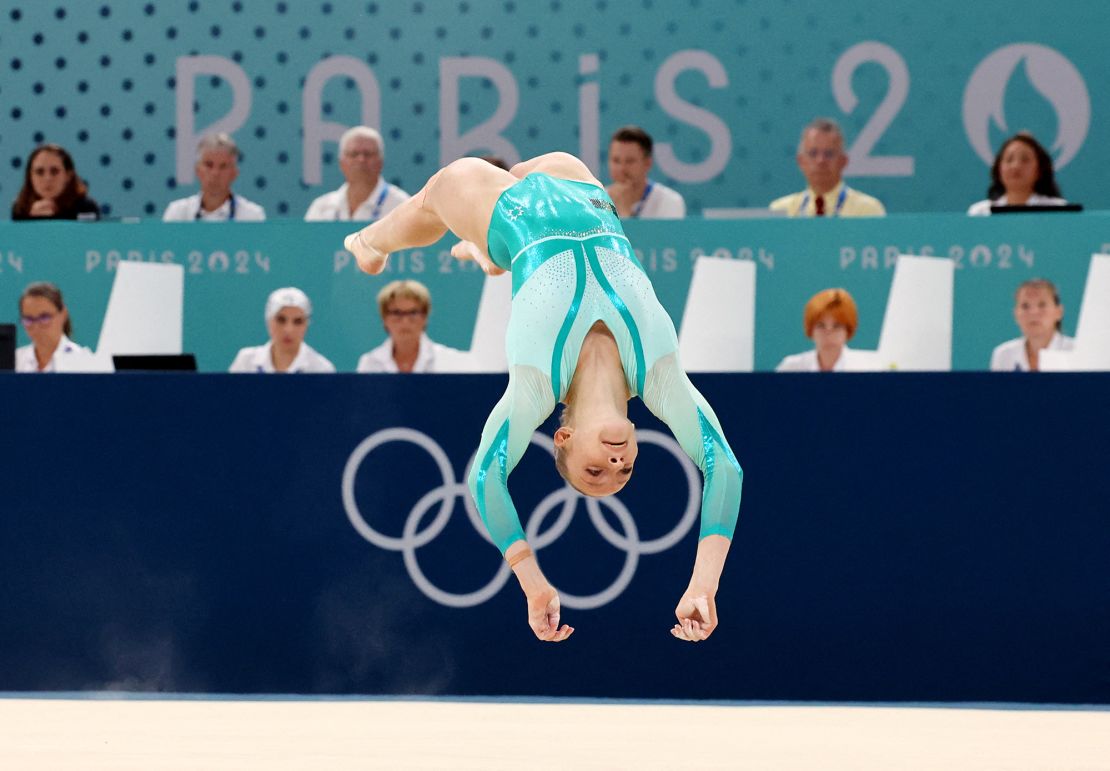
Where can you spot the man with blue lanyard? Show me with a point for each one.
(634, 195)
(217, 168)
(365, 196)
(822, 159)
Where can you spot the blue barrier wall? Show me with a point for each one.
(908, 537)
(231, 268)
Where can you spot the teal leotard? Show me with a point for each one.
(572, 266)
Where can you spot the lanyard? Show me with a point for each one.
(378, 206)
(839, 202)
(640, 204)
(230, 208)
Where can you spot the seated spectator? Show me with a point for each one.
(46, 319)
(822, 159)
(830, 319)
(288, 312)
(634, 194)
(1038, 313)
(404, 307)
(217, 168)
(51, 188)
(365, 196)
(1022, 175)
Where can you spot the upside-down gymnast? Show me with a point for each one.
(586, 330)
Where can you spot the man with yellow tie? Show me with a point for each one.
(822, 159)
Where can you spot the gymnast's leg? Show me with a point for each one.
(459, 197)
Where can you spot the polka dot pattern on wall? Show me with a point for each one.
(100, 78)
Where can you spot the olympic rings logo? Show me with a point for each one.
(563, 502)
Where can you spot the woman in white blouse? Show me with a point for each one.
(45, 317)
(1022, 175)
(1038, 313)
(288, 312)
(830, 320)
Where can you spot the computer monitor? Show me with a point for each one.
(155, 362)
(7, 347)
(1034, 208)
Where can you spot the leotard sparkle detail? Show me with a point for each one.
(573, 266)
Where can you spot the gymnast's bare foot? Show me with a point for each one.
(370, 259)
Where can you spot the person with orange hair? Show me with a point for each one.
(830, 320)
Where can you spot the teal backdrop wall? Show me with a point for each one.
(925, 91)
(231, 268)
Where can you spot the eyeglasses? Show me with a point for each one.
(39, 321)
(47, 171)
(823, 155)
(396, 314)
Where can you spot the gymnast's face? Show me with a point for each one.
(599, 457)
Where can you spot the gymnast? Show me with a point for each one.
(586, 331)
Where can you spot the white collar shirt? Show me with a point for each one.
(1011, 356)
(381, 358)
(188, 209)
(25, 360)
(260, 359)
(807, 362)
(331, 207)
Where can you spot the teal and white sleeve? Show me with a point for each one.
(527, 402)
(672, 398)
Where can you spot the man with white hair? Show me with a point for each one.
(365, 195)
(217, 168)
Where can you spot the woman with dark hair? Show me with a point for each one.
(46, 319)
(51, 188)
(1021, 175)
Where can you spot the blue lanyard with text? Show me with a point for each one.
(640, 204)
(378, 206)
(230, 210)
(839, 202)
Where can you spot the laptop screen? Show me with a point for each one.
(150, 362)
(7, 347)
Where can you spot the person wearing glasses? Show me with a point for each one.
(51, 188)
(45, 317)
(365, 196)
(288, 313)
(822, 159)
(587, 331)
(404, 307)
(217, 169)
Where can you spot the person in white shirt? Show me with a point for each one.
(45, 317)
(288, 313)
(1039, 315)
(404, 307)
(822, 160)
(634, 194)
(830, 320)
(217, 168)
(1022, 175)
(365, 196)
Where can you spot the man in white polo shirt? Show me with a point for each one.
(634, 194)
(365, 196)
(217, 168)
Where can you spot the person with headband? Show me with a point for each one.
(217, 169)
(586, 330)
(288, 312)
(1039, 315)
(45, 317)
(404, 307)
(830, 319)
(365, 195)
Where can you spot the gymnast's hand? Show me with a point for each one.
(465, 250)
(697, 616)
(543, 615)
